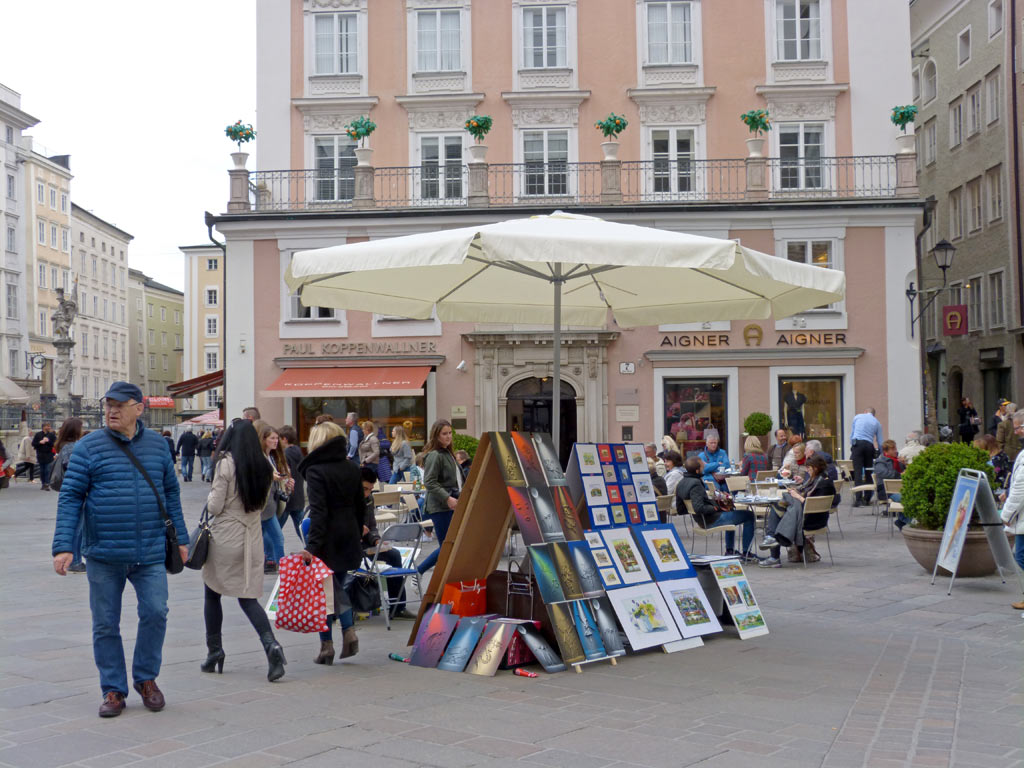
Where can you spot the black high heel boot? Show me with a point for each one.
(275, 656)
(214, 656)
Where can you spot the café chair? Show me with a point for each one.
(845, 468)
(839, 484)
(816, 515)
(665, 506)
(697, 530)
(403, 534)
(765, 474)
(892, 508)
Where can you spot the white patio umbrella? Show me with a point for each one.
(497, 272)
(11, 392)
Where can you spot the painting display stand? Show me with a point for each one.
(973, 494)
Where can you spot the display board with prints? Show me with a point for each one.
(615, 482)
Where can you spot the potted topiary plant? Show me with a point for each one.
(359, 130)
(757, 121)
(240, 134)
(759, 425)
(902, 117)
(926, 494)
(611, 127)
(478, 126)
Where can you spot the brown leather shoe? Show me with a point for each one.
(1018, 606)
(113, 704)
(152, 699)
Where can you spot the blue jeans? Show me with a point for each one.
(347, 618)
(1018, 550)
(273, 539)
(441, 521)
(44, 472)
(187, 463)
(742, 517)
(205, 466)
(106, 586)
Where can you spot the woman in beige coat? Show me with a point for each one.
(234, 566)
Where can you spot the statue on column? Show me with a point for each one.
(63, 317)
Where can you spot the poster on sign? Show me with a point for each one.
(955, 533)
(739, 598)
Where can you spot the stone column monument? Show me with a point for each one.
(63, 317)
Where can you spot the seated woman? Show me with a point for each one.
(707, 515)
(784, 523)
(714, 459)
(793, 464)
(674, 473)
(997, 458)
(754, 458)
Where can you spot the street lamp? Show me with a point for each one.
(943, 253)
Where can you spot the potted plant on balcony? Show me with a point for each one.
(611, 127)
(757, 121)
(240, 134)
(927, 491)
(478, 126)
(902, 117)
(359, 130)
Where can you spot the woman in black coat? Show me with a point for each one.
(336, 518)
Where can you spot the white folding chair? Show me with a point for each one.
(817, 505)
(405, 534)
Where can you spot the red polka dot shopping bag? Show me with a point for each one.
(302, 600)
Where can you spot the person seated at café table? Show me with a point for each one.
(391, 557)
(793, 466)
(784, 523)
(777, 453)
(706, 514)
(660, 488)
(754, 458)
(813, 448)
(714, 459)
(674, 473)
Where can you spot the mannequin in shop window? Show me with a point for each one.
(794, 402)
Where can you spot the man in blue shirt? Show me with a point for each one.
(866, 435)
(355, 434)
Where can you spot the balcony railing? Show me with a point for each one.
(658, 181)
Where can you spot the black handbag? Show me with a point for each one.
(172, 555)
(365, 594)
(199, 542)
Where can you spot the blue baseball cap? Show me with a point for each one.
(123, 391)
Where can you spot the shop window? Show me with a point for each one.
(410, 413)
(813, 408)
(693, 406)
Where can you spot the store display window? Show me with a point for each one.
(386, 412)
(813, 408)
(693, 406)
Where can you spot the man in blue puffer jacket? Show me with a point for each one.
(123, 539)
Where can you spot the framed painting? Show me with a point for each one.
(587, 457)
(650, 513)
(529, 459)
(619, 515)
(491, 648)
(664, 552)
(545, 513)
(604, 452)
(637, 458)
(624, 475)
(605, 616)
(593, 538)
(610, 578)
(586, 567)
(545, 571)
(608, 470)
(644, 488)
(644, 616)
(602, 558)
(689, 607)
(629, 494)
(619, 452)
(594, 490)
(599, 517)
(526, 518)
(567, 516)
(549, 458)
(587, 629)
(564, 629)
(460, 649)
(614, 494)
(634, 514)
(626, 556)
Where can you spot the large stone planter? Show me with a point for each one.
(976, 559)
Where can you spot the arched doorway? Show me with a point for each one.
(529, 410)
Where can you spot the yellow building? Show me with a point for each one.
(204, 324)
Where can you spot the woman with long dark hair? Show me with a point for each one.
(337, 514)
(69, 434)
(443, 480)
(273, 537)
(242, 478)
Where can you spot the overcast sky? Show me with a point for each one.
(138, 94)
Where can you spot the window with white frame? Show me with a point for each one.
(40, 192)
(42, 323)
(211, 359)
(441, 167)
(12, 186)
(956, 123)
(106, 347)
(545, 159)
(798, 30)
(152, 362)
(177, 341)
(164, 361)
(177, 318)
(211, 325)
(996, 300)
(974, 110)
(963, 47)
(42, 275)
(152, 337)
(975, 311)
(992, 91)
(669, 33)
(335, 167)
(149, 310)
(299, 311)
(212, 297)
(956, 215)
(213, 398)
(974, 205)
(63, 202)
(995, 18)
(96, 267)
(915, 84)
(336, 44)
(12, 239)
(815, 252)
(929, 87)
(672, 159)
(41, 232)
(12, 359)
(96, 386)
(163, 314)
(123, 357)
(12, 297)
(85, 344)
(438, 41)
(800, 151)
(994, 192)
(54, 278)
(544, 37)
(95, 307)
(211, 265)
(163, 338)
(53, 236)
(53, 198)
(928, 317)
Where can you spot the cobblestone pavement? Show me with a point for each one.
(866, 665)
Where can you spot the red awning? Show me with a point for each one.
(199, 384)
(153, 401)
(349, 382)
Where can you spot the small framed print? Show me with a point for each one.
(602, 558)
(625, 554)
(637, 458)
(609, 473)
(605, 453)
(625, 476)
(650, 513)
(614, 494)
(634, 514)
(664, 552)
(629, 494)
(644, 488)
(594, 538)
(587, 457)
(594, 490)
(620, 453)
(618, 514)
(610, 578)
(599, 517)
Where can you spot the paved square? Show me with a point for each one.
(866, 665)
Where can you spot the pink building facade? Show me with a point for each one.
(830, 189)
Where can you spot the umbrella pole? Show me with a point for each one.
(556, 390)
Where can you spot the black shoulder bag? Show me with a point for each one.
(199, 546)
(172, 555)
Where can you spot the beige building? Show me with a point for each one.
(47, 232)
(100, 261)
(156, 336)
(204, 323)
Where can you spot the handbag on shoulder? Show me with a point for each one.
(199, 542)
